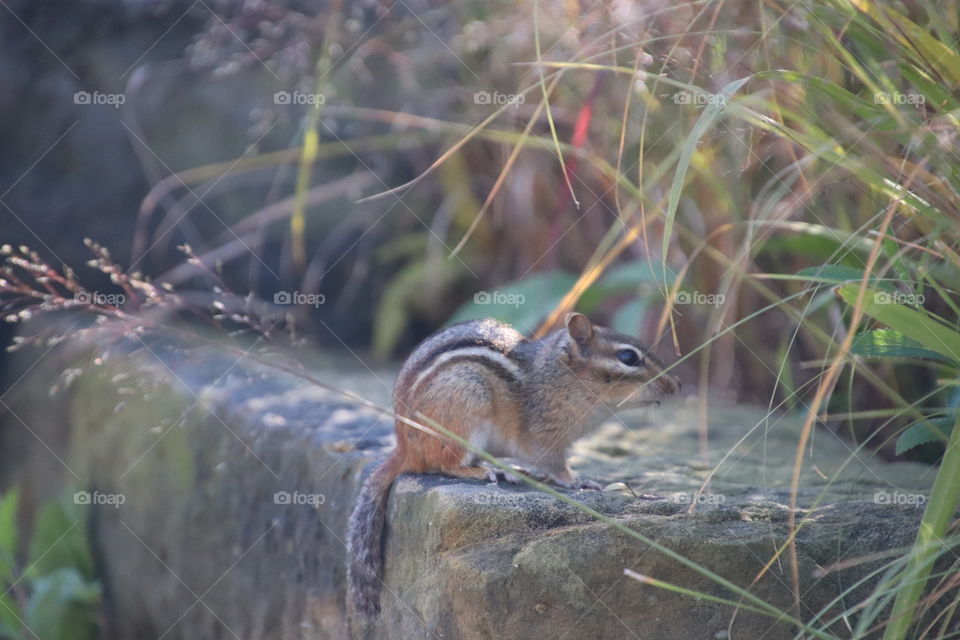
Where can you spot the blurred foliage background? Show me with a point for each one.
(668, 168)
(765, 191)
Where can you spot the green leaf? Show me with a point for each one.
(62, 606)
(523, 303)
(629, 317)
(59, 540)
(850, 101)
(928, 545)
(919, 326)
(831, 273)
(935, 430)
(838, 273)
(405, 294)
(627, 277)
(638, 278)
(941, 58)
(9, 632)
(10, 625)
(886, 343)
(892, 251)
(816, 242)
(935, 93)
(8, 535)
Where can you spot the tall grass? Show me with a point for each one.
(818, 148)
(772, 189)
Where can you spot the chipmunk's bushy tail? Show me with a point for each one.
(365, 542)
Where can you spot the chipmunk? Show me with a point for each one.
(513, 397)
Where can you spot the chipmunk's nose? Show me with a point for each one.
(670, 385)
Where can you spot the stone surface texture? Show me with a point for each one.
(238, 481)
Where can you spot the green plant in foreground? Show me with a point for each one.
(54, 595)
(919, 334)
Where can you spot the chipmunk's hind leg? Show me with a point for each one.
(553, 463)
(453, 459)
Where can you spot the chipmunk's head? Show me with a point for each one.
(616, 367)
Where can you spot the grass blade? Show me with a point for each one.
(938, 513)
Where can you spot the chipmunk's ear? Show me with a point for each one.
(579, 327)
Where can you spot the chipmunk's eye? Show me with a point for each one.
(629, 357)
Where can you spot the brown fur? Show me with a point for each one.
(509, 396)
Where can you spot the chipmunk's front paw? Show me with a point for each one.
(496, 476)
(588, 484)
(575, 482)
